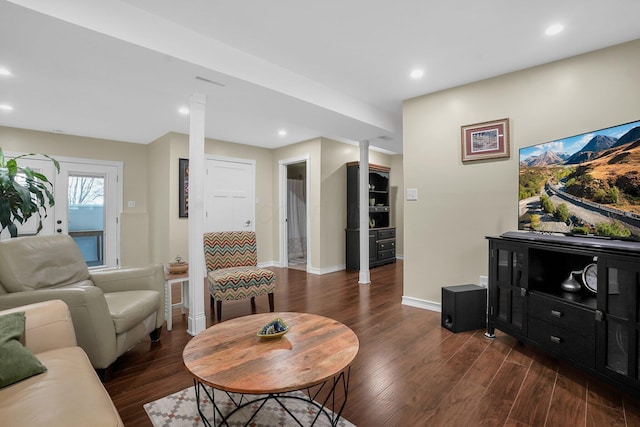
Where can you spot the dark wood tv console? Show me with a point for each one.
(597, 331)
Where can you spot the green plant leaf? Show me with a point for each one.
(21, 199)
(13, 230)
(12, 166)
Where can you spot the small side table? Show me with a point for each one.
(170, 279)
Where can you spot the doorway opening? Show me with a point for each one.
(297, 215)
(295, 229)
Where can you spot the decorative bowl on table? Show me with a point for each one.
(274, 329)
(178, 267)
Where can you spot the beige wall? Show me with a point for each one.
(174, 146)
(458, 205)
(310, 149)
(328, 198)
(153, 232)
(335, 155)
(134, 221)
(333, 201)
(397, 190)
(163, 190)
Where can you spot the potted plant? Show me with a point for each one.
(23, 193)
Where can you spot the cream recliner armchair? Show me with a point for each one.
(112, 309)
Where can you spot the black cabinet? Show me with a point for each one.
(382, 237)
(595, 327)
(618, 287)
(382, 247)
(506, 302)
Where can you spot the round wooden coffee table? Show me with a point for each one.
(316, 352)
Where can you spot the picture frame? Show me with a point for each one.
(183, 190)
(485, 141)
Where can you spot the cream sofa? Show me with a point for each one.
(69, 393)
(112, 309)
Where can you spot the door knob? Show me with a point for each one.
(59, 221)
(59, 230)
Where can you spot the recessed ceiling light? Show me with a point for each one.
(554, 29)
(4, 72)
(417, 74)
(282, 132)
(183, 110)
(6, 107)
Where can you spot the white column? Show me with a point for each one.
(364, 277)
(197, 318)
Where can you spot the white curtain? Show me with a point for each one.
(297, 219)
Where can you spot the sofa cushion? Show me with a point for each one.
(129, 308)
(68, 394)
(32, 263)
(16, 361)
(241, 282)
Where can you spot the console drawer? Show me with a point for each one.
(389, 233)
(386, 244)
(562, 343)
(391, 253)
(574, 319)
(379, 209)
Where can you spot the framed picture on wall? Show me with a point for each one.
(487, 140)
(183, 192)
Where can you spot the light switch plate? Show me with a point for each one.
(412, 194)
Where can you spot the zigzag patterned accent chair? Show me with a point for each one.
(232, 269)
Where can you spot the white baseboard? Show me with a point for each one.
(311, 270)
(423, 304)
(268, 264)
(326, 270)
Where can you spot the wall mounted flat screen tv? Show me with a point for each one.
(586, 184)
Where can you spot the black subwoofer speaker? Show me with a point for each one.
(464, 307)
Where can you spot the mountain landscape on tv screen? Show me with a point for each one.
(585, 184)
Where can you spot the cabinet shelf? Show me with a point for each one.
(582, 298)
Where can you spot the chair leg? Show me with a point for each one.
(271, 303)
(253, 304)
(219, 310)
(105, 374)
(210, 301)
(155, 334)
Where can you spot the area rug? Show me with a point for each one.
(180, 410)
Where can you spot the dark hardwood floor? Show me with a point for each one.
(409, 371)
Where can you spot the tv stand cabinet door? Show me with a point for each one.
(619, 331)
(507, 288)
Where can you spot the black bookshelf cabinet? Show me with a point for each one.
(597, 330)
(382, 237)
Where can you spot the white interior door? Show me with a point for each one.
(230, 195)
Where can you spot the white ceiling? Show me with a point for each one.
(339, 69)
